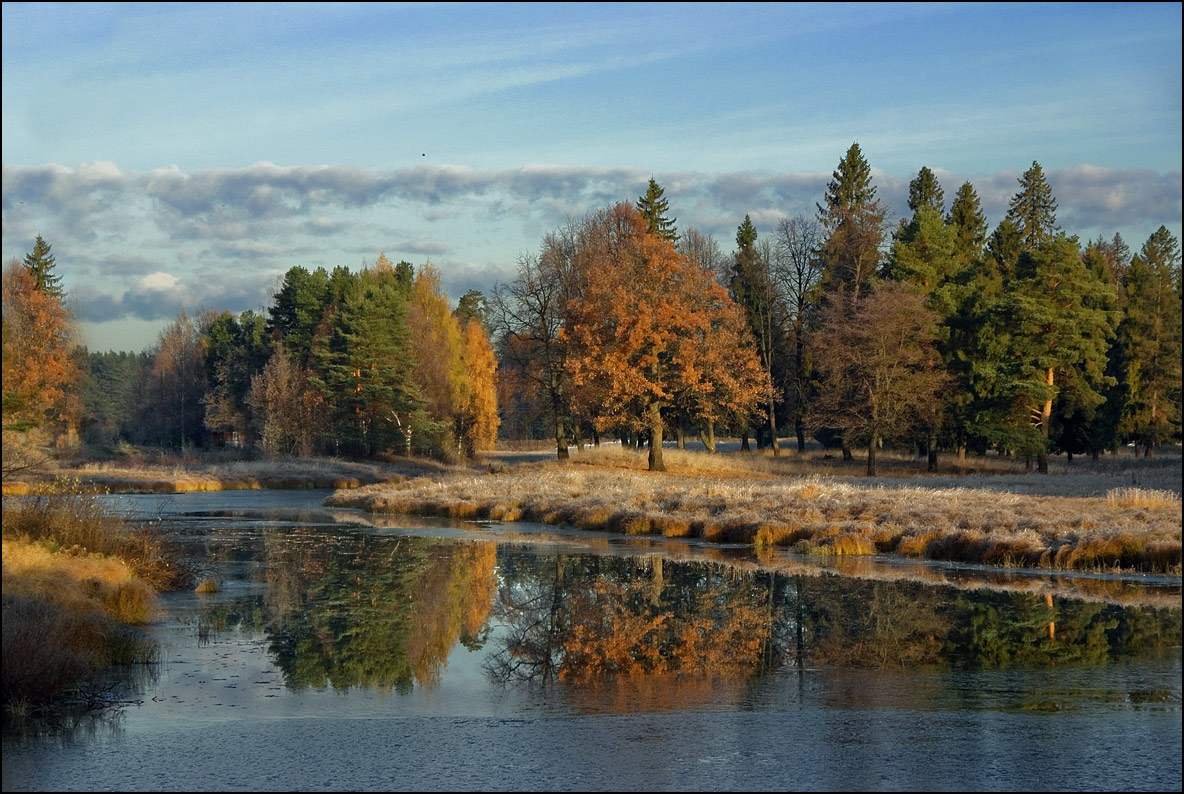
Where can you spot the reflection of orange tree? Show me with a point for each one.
(374, 612)
(617, 631)
(589, 620)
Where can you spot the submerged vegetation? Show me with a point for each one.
(77, 582)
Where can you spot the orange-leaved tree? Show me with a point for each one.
(479, 411)
(39, 375)
(652, 330)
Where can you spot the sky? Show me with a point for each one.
(183, 156)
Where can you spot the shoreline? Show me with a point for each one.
(1125, 529)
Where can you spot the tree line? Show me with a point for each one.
(345, 363)
(937, 333)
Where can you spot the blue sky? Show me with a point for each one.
(187, 155)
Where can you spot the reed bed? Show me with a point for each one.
(729, 502)
(76, 582)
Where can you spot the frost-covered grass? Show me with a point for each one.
(1064, 520)
(183, 475)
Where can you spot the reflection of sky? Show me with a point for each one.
(141, 145)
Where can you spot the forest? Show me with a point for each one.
(930, 333)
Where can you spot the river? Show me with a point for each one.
(346, 652)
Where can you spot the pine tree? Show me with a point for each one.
(297, 309)
(653, 206)
(1033, 209)
(1054, 331)
(364, 366)
(40, 264)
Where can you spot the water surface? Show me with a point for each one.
(340, 655)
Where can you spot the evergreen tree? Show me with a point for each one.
(850, 186)
(40, 264)
(364, 367)
(1003, 253)
(968, 225)
(1151, 342)
(854, 220)
(976, 286)
(653, 206)
(923, 257)
(1053, 332)
(924, 189)
(297, 309)
(753, 289)
(473, 306)
(1033, 209)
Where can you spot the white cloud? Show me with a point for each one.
(158, 282)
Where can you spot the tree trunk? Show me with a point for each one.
(847, 454)
(707, 435)
(680, 433)
(744, 447)
(655, 422)
(931, 465)
(773, 430)
(1045, 425)
(560, 434)
(871, 453)
(800, 429)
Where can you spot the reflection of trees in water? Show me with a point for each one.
(591, 620)
(373, 612)
(345, 610)
(880, 624)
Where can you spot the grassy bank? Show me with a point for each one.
(76, 582)
(1092, 519)
(182, 475)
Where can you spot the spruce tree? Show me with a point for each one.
(753, 289)
(40, 264)
(653, 206)
(968, 224)
(924, 189)
(1033, 208)
(854, 219)
(850, 186)
(1151, 342)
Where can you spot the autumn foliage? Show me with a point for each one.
(651, 332)
(40, 377)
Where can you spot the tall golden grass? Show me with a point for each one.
(76, 581)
